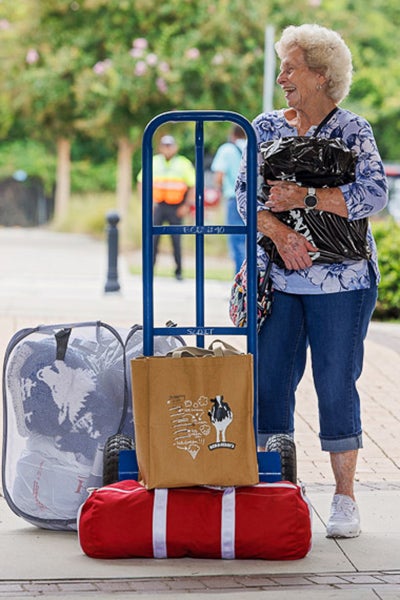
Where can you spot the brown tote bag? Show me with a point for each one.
(193, 416)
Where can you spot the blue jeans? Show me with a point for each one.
(334, 326)
(236, 243)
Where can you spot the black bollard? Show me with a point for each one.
(112, 284)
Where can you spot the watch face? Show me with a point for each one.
(310, 201)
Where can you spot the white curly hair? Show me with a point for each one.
(325, 52)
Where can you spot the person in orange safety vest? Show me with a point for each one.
(174, 181)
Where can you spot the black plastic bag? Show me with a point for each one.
(336, 238)
(309, 161)
(316, 162)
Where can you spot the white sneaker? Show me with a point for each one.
(344, 521)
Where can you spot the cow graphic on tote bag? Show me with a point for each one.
(221, 417)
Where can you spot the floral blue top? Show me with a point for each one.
(365, 196)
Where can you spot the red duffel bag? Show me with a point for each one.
(270, 521)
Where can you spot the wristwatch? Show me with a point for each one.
(310, 199)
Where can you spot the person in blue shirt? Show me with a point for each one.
(225, 166)
(326, 307)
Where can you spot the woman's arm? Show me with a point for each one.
(285, 195)
(293, 247)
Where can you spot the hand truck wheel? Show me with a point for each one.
(284, 444)
(112, 448)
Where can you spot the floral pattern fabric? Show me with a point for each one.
(364, 197)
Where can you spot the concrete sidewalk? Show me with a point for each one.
(58, 278)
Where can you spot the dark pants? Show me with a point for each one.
(167, 213)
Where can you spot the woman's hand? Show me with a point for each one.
(285, 195)
(293, 247)
(294, 250)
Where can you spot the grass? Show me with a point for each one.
(189, 272)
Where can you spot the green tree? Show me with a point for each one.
(179, 57)
(107, 67)
(7, 115)
(39, 80)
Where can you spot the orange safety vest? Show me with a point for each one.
(169, 191)
(171, 179)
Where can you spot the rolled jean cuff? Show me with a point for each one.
(342, 445)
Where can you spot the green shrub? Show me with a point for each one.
(387, 236)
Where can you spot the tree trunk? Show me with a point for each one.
(63, 180)
(124, 179)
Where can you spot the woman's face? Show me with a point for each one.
(297, 81)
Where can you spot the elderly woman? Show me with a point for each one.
(325, 306)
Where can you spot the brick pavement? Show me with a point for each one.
(379, 583)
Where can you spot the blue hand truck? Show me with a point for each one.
(278, 462)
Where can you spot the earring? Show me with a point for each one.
(318, 87)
